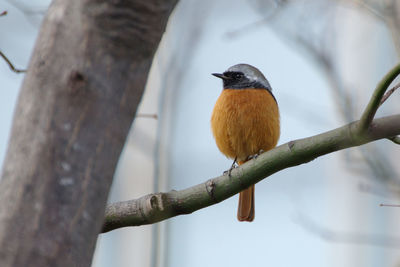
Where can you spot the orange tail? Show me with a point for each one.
(246, 205)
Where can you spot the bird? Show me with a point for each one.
(245, 122)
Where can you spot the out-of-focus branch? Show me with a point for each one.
(319, 43)
(3, 13)
(346, 237)
(14, 69)
(390, 205)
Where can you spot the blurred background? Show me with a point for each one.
(323, 59)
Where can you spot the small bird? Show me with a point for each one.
(245, 122)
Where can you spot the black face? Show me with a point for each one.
(237, 80)
(233, 79)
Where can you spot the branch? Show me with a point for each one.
(394, 139)
(346, 237)
(389, 93)
(374, 103)
(153, 208)
(146, 115)
(390, 205)
(14, 69)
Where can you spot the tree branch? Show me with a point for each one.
(153, 208)
(389, 93)
(374, 103)
(14, 69)
(146, 115)
(390, 205)
(346, 237)
(156, 207)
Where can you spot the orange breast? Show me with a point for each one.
(245, 121)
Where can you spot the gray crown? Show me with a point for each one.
(252, 73)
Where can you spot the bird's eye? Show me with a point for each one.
(238, 76)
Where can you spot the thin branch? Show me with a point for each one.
(390, 205)
(378, 191)
(160, 206)
(389, 93)
(346, 237)
(368, 8)
(146, 115)
(10, 64)
(3, 13)
(373, 105)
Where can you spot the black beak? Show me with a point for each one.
(221, 76)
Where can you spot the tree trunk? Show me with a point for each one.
(77, 102)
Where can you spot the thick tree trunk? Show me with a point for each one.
(77, 102)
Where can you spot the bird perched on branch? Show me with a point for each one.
(245, 122)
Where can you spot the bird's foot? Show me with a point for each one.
(255, 155)
(231, 168)
(229, 171)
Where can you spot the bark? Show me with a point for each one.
(76, 105)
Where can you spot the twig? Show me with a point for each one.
(273, 13)
(395, 139)
(3, 13)
(10, 64)
(389, 93)
(145, 115)
(390, 205)
(346, 237)
(373, 105)
(160, 206)
(368, 8)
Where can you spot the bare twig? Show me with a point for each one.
(389, 93)
(250, 27)
(366, 7)
(390, 205)
(346, 237)
(14, 69)
(3, 13)
(373, 105)
(160, 206)
(376, 190)
(145, 115)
